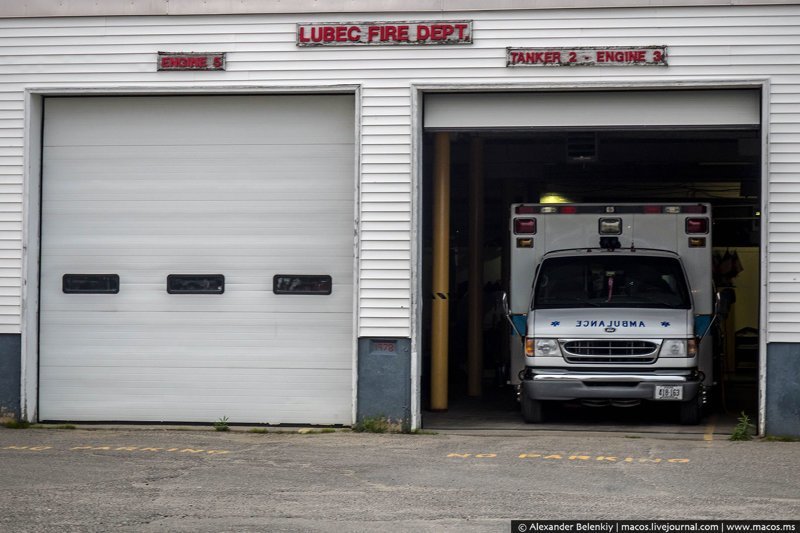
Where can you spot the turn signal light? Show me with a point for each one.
(525, 242)
(697, 242)
(691, 347)
(530, 346)
(696, 225)
(524, 226)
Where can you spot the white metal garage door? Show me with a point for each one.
(247, 187)
(619, 109)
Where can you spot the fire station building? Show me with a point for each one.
(226, 209)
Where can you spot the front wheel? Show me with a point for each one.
(532, 410)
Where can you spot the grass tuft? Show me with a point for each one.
(16, 424)
(744, 429)
(222, 424)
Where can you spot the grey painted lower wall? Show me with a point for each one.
(783, 389)
(10, 375)
(384, 379)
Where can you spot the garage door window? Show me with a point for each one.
(195, 284)
(90, 283)
(301, 284)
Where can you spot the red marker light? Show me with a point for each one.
(696, 225)
(526, 210)
(524, 226)
(568, 210)
(652, 209)
(694, 209)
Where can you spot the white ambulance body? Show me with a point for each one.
(613, 302)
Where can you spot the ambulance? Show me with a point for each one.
(612, 304)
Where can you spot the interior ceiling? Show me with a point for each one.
(576, 159)
(718, 166)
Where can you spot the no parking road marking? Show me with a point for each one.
(564, 457)
(190, 451)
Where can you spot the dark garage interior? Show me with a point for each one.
(643, 165)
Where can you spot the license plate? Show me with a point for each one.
(669, 392)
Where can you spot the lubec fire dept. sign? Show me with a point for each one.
(436, 32)
(610, 56)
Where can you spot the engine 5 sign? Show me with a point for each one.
(191, 61)
(612, 56)
(385, 33)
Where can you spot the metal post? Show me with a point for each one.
(441, 272)
(475, 327)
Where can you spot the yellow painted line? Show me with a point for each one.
(28, 448)
(709, 434)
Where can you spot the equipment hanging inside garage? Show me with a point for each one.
(197, 259)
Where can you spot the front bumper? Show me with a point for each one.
(556, 384)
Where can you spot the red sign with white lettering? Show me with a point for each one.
(191, 61)
(385, 33)
(611, 56)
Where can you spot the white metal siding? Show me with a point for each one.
(244, 186)
(725, 42)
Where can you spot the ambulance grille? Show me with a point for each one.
(610, 351)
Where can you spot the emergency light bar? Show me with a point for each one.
(568, 209)
(608, 226)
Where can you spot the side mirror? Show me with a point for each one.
(723, 301)
(507, 312)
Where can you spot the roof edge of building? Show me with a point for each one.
(109, 8)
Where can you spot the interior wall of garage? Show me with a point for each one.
(707, 45)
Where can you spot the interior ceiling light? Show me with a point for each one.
(553, 198)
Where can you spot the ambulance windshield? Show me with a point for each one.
(611, 281)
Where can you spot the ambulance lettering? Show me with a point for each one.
(610, 324)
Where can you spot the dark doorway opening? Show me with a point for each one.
(721, 166)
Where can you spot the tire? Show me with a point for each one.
(691, 412)
(532, 410)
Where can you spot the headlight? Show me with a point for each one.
(541, 347)
(678, 348)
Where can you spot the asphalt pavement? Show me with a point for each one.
(155, 479)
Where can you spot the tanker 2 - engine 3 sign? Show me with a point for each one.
(385, 33)
(609, 56)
